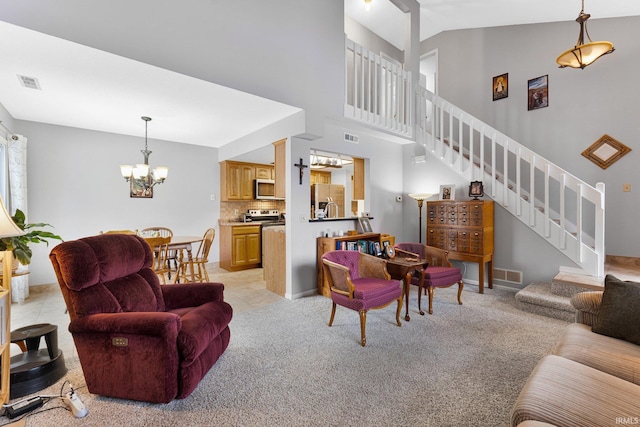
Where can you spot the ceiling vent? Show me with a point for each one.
(29, 82)
(354, 139)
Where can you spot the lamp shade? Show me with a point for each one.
(8, 228)
(420, 196)
(585, 54)
(126, 171)
(160, 173)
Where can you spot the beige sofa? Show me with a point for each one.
(591, 379)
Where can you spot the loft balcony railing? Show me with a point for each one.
(564, 210)
(378, 91)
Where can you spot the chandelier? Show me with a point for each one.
(140, 176)
(583, 54)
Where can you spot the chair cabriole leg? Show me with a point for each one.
(398, 311)
(460, 286)
(333, 314)
(430, 299)
(363, 326)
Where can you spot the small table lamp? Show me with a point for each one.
(420, 197)
(8, 228)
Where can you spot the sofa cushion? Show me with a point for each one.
(611, 355)
(619, 316)
(569, 394)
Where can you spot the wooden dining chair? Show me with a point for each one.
(199, 262)
(163, 232)
(159, 248)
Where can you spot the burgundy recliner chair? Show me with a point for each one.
(135, 338)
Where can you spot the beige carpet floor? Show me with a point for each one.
(462, 366)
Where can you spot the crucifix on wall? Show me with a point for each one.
(301, 166)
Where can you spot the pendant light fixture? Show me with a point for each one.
(140, 175)
(583, 54)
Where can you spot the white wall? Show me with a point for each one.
(74, 184)
(583, 105)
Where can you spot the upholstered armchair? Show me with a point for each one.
(439, 274)
(135, 338)
(360, 282)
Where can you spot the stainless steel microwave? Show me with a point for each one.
(265, 189)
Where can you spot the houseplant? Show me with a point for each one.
(19, 245)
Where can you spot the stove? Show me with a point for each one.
(263, 215)
(266, 217)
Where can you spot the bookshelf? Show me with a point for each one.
(326, 244)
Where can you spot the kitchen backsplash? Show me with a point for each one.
(228, 209)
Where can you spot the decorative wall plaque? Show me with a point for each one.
(606, 151)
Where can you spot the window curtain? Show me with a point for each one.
(17, 161)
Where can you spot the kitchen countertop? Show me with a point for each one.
(235, 222)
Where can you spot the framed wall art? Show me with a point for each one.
(137, 190)
(447, 192)
(538, 93)
(606, 151)
(501, 86)
(365, 225)
(476, 189)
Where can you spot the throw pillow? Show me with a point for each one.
(619, 315)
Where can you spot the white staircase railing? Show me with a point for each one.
(564, 210)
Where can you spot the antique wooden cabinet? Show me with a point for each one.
(465, 229)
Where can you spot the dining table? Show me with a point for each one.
(184, 243)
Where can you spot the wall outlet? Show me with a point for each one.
(236, 212)
(212, 197)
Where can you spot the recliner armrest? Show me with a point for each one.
(158, 324)
(191, 294)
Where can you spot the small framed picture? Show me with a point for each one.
(538, 93)
(377, 249)
(501, 86)
(476, 189)
(389, 252)
(447, 192)
(365, 225)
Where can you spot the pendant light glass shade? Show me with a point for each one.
(583, 54)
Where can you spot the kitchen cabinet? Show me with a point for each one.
(240, 247)
(264, 172)
(274, 259)
(236, 180)
(280, 168)
(320, 177)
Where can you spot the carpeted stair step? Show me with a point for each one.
(539, 298)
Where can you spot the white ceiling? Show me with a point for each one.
(436, 16)
(87, 88)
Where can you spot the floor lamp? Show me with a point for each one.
(420, 197)
(8, 228)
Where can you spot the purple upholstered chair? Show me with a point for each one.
(135, 338)
(439, 274)
(360, 282)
